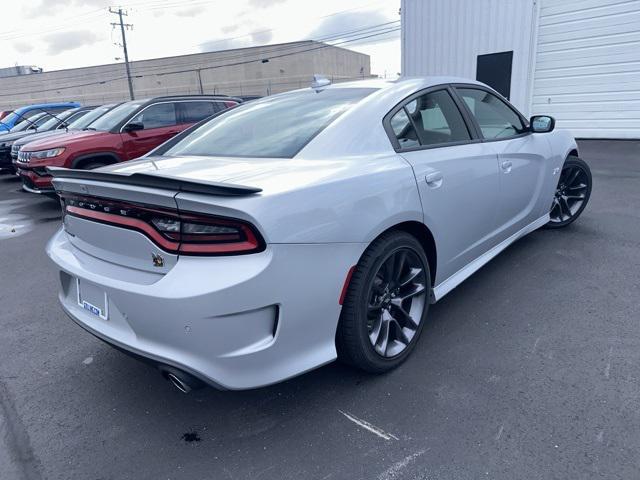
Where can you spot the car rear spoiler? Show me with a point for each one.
(155, 181)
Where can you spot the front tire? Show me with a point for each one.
(572, 193)
(386, 304)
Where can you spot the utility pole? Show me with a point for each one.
(198, 70)
(124, 26)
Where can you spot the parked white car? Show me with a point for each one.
(306, 226)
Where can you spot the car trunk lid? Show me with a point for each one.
(102, 214)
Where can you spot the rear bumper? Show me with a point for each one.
(234, 322)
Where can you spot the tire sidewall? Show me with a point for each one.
(369, 268)
(578, 162)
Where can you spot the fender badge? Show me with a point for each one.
(158, 261)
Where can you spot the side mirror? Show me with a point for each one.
(133, 127)
(542, 123)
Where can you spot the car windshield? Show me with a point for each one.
(54, 121)
(89, 118)
(273, 127)
(34, 121)
(115, 116)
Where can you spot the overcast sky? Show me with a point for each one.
(58, 34)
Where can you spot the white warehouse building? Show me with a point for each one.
(577, 60)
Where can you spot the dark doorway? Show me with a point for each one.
(494, 69)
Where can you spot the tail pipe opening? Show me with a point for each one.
(182, 381)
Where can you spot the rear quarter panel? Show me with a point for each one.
(353, 202)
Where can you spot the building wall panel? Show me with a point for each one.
(587, 68)
(444, 37)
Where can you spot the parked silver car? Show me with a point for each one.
(306, 226)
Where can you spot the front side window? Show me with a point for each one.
(278, 126)
(435, 120)
(157, 116)
(495, 118)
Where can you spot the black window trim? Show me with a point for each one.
(464, 113)
(472, 118)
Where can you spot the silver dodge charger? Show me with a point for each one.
(312, 225)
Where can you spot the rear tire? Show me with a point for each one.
(572, 193)
(386, 304)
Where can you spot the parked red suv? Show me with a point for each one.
(128, 131)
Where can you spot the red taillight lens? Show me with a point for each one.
(173, 231)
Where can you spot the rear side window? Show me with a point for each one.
(430, 119)
(403, 130)
(278, 126)
(192, 112)
(495, 118)
(157, 116)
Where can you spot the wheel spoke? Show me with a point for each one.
(580, 186)
(417, 289)
(573, 177)
(383, 338)
(374, 334)
(413, 274)
(408, 319)
(401, 336)
(565, 206)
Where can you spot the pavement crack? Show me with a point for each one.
(17, 438)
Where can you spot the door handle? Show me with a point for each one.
(506, 166)
(434, 180)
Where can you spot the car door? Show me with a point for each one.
(457, 175)
(159, 122)
(523, 158)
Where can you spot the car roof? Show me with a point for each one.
(147, 101)
(401, 82)
(36, 106)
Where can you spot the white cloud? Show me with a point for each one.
(23, 47)
(63, 41)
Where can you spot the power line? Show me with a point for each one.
(393, 29)
(139, 71)
(31, 32)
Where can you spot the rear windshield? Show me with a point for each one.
(115, 116)
(273, 127)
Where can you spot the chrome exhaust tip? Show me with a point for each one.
(183, 381)
(178, 383)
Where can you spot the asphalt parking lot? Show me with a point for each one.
(530, 369)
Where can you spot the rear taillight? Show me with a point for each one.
(176, 232)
